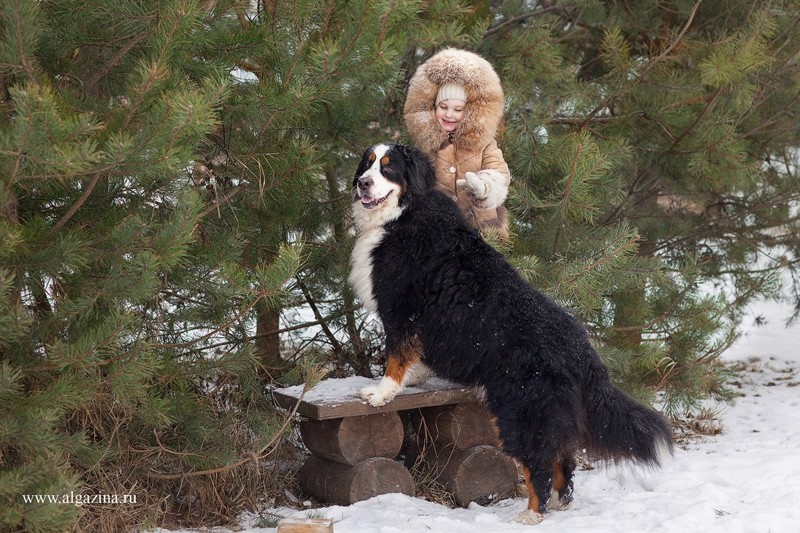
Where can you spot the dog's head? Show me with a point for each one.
(388, 180)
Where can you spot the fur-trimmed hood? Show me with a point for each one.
(482, 114)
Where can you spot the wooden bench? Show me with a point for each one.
(355, 446)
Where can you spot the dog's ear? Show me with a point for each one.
(420, 173)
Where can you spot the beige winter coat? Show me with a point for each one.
(472, 146)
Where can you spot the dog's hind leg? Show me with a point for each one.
(539, 447)
(561, 497)
(555, 483)
(539, 484)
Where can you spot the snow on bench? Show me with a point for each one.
(338, 398)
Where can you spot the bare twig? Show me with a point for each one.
(77, 205)
(520, 18)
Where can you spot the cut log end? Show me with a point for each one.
(351, 440)
(305, 525)
(342, 484)
(480, 474)
(464, 425)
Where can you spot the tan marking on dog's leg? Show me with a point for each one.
(559, 481)
(399, 362)
(396, 367)
(533, 499)
(530, 516)
(559, 501)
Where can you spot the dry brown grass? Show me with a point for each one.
(422, 458)
(166, 493)
(195, 501)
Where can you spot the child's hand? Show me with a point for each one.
(487, 187)
(477, 186)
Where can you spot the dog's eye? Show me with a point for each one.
(386, 165)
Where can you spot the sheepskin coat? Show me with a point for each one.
(472, 146)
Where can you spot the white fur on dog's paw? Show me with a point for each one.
(558, 504)
(375, 396)
(417, 375)
(381, 394)
(368, 392)
(528, 518)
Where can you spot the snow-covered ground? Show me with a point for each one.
(746, 479)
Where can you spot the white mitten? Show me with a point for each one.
(488, 187)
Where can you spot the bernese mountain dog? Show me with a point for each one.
(451, 303)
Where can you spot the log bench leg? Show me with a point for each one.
(464, 425)
(352, 459)
(353, 439)
(342, 484)
(461, 443)
(481, 474)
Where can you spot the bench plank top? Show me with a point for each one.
(338, 397)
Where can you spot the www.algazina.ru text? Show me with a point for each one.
(78, 499)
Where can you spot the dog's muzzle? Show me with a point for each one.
(364, 186)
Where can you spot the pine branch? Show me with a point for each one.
(258, 455)
(609, 253)
(77, 205)
(224, 199)
(521, 18)
(113, 61)
(566, 196)
(709, 106)
(647, 68)
(239, 314)
(20, 32)
(296, 327)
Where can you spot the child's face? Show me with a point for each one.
(449, 114)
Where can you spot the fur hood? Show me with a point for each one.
(482, 115)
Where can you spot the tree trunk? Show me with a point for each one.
(630, 312)
(268, 342)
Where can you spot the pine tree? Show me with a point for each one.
(116, 281)
(171, 180)
(652, 153)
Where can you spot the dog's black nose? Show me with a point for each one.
(364, 183)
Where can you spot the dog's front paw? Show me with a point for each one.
(528, 518)
(377, 395)
(373, 396)
(368, 392)
(417, 375)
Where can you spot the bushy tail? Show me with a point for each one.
(619, 427)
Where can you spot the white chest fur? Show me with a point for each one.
(361, 266)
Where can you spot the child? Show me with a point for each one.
(453, 110)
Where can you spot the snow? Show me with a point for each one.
(744, 480)
(334, 391)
